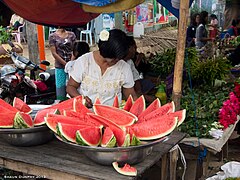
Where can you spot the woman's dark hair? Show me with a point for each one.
(116, 45)
(203, 16)
(193, 18)
(131, 41)
(80, 48)
(213, 16)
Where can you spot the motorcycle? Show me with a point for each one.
(15, 83)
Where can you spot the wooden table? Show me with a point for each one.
(56, 160)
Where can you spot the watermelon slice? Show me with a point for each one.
(22, 120)
(181, 116)
(68, 131)
(129, 103)
(138, 106)
(97, 101)
(123, 138)
(118, 116)
(108, 139)
(116, 102)
(155, 129)
(39, 118)
(52, 121)
(71, 113)
(21, 106)
(152, 107)
(7, 106)
(165, 109)
(89, 136)
(134, 141)
(7, 119)
(126, 170)
(78, 105)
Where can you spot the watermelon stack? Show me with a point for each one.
(110, 126)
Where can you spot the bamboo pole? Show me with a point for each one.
(178, 68)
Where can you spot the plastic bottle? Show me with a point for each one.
(161, 94)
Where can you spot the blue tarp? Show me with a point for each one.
(95, 2)
(168, 5)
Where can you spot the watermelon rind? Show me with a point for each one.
(135, 141)
(110, 140)
(125, 171)
(7, 119)
(111, 143)
(20, 123)
(80, 139)
(180, 121)
(159, 135)
(23, 106)
(126, 141)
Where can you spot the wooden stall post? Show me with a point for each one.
(178, 69)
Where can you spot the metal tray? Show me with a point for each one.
(105, 156)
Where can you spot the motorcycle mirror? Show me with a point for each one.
(44, 62)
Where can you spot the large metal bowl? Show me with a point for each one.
(105, 156)
(29, 136)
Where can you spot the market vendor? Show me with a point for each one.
(103, 74)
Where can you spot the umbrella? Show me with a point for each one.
(96, 2)
(51, 12)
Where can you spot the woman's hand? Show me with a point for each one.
(88, 102)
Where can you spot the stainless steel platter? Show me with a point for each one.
(29, 136)
(130, 155)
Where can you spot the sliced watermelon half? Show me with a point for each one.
(138, 106)
(7, 106)
(116, 102)
(21, 105)
(39, 118)
(165, 109)
(108, 139)
(68, 131)
(89, 136)
(152, 107)
(22, 120)
(155, 129)
(7, 119)
(126, 170)
(118, 116)
(128, 103)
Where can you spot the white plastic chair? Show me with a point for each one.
(88, 32)
(18, 35)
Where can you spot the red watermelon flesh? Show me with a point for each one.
(90, 136)
(39, 118)
(116, 102)
(52, 122)
(138, 106)
(71, 113)
(22, 120)
(78, 106)
(128, 103)
(97, 101)
(123, 139)
(68, 131)
(118, 116)
(108, 138)
(7, 106)
(167, 108)
(126, 170)
(134, 141)
(152, 107)
(21, 106)
(7, 119)
(155, 129)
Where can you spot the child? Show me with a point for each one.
(213, 26)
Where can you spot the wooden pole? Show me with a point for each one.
(178, 68)
(41, 44)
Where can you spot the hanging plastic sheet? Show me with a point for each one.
(51, 12)
(95, 2)
(172, 6)
(120, 5)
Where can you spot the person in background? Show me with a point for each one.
(213, 31)
(61, 46)
(79, 48)
(201, 32)
(233, 31)
(15, 22)
(102, 73)
(141, 86)
(191, 30)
